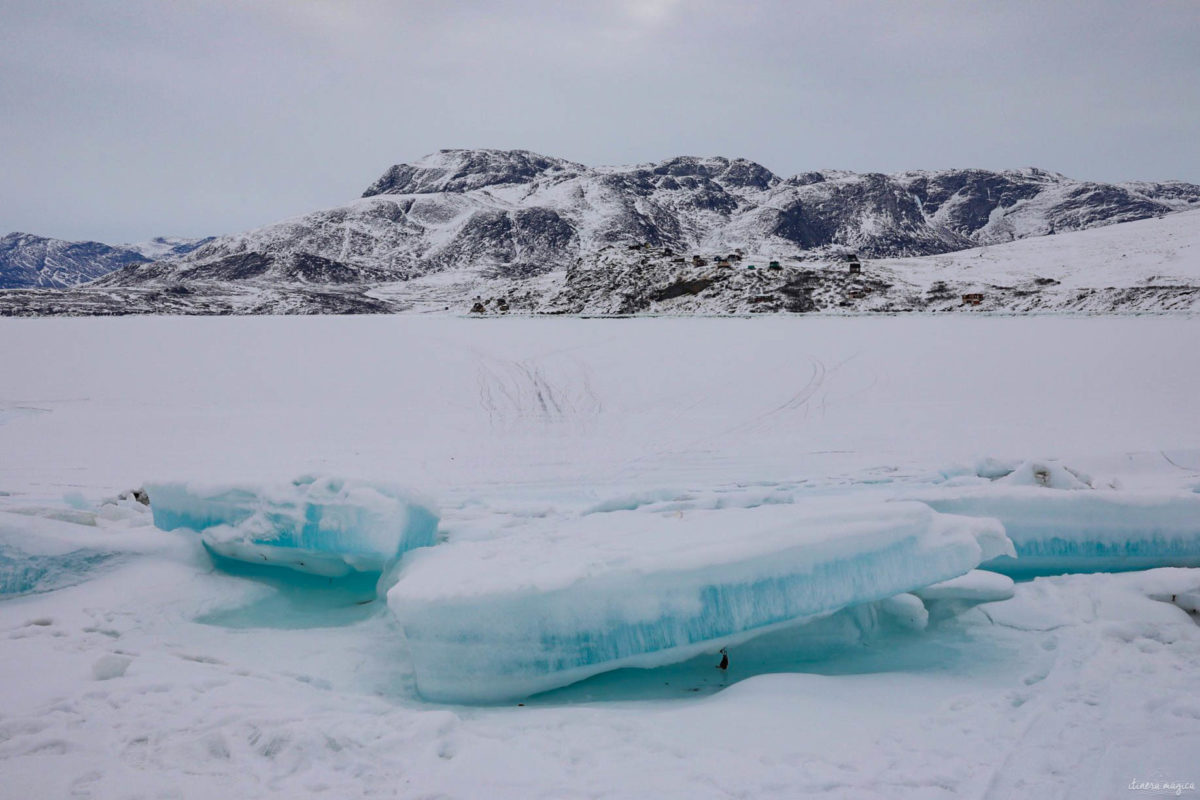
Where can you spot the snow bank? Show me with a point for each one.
(324, 526)
(1056, 531)
(1047, 474)
(502, 618)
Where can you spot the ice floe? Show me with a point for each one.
(317, 525)
(1057, 531)
(43, 548)
(493, 619)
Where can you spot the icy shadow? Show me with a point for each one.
(293, 600)
(853, 642)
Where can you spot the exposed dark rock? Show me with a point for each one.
(680, 288)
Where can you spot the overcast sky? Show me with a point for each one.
(125, 119)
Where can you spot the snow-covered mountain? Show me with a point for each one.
(36, 261)
(1147, 265)
(162, 247)
(28, 261)
(471, 218)
(516, 213)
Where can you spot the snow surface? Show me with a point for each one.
(154, 675)
(1159, 251)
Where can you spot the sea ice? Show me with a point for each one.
(953, 597)
(492, 619)
(38, 554)
(1056, 531)
(318, 525)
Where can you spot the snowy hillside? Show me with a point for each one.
(1143, 266)
(28, 261)
(548, 235)
(1150, 265)
(515, 213)
(163, 247)
(36, 261)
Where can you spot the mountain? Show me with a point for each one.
(162, 247)
(28, 261)
(482, 218)
(1150, 265)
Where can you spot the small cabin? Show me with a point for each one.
(972, 298)
(724, 262)
(668, 251)
(697, 261)
(855, 268)
(774, 265)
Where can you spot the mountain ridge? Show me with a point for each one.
(515, 215)
(31, 261)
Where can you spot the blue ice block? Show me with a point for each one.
(1084, 530)
(318, 525)
(489, 620)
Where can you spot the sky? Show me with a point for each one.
(126, 119)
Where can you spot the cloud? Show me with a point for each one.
(134, 118)
(652, 12)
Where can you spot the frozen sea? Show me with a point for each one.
(140, 671)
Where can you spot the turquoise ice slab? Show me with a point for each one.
(318, 525)
(505, 618)
(1087, 530)
(41, 554)
(22, 572)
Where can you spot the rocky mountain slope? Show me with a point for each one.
(515, 213)
(545, 234)
(1150, 265)
(28, 261)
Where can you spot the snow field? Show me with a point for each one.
(154, 675)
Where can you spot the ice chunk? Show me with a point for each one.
(110, 665)
(952, 597)
(39, 554)
(906, 610)
(22, 572)
(509, 617)
(977, 585)
(993, 468)
(1084, 531)
(324, 526)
